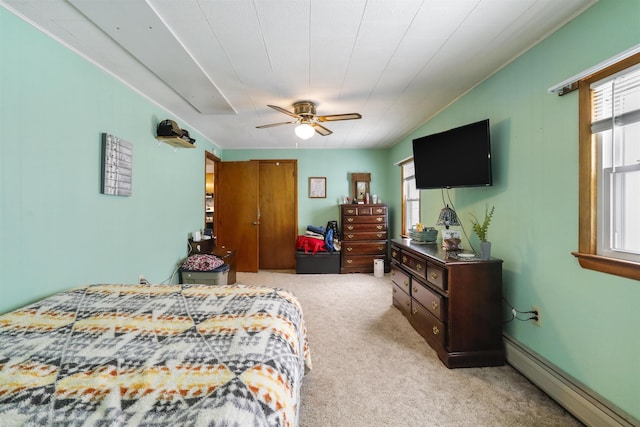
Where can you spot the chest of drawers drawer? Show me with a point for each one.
(377, 219)
(351, 247)
(358, 227)
(365, 235)
(363, 210)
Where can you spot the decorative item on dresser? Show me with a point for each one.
(454, 302)
(364, 236)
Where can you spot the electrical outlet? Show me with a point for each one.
(141, 279)
(538, 310)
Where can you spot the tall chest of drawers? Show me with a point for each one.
(364, 236)
(454, 304)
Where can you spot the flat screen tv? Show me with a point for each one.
(459, 157)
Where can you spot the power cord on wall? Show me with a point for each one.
(514, 314)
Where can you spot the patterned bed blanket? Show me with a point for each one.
(149, 355)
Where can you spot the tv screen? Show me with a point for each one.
(459, 157)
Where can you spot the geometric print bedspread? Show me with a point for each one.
(150, 355)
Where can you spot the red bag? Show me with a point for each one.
(310, 244)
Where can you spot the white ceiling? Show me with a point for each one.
(216, 64)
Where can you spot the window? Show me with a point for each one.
(609, 239)
(410, 197)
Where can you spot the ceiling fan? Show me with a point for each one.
(305, 114)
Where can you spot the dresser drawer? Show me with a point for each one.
(432, 301)
(428, 326)
(396, 254)
(437, 276)
(365, 219)
(358, 226)
(419, 266)
(365, 247)
(400, 278)
(365, 235)
(401, 300)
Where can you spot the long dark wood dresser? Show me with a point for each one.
(455, 304)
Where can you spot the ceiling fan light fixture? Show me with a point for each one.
(305, 130)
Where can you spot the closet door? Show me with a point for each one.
(238, 213)
(278, 198)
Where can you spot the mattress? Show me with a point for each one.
(127, 355)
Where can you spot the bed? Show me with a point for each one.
(126, 355)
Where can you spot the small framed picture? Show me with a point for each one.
(451, 240)
(317, 187)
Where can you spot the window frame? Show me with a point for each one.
(588, 183)
(405, 227)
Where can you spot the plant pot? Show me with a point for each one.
(485, 250)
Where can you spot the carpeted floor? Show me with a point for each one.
(370, 368)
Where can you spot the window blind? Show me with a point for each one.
(616, 101)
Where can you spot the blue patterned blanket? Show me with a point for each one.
(128, 355)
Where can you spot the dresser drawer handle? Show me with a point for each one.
(349, 219)
(395, 290)
(379, 210)
(434, 305)
(379, 227)
(414, 311)
(349, 227)
(404, 259)
(435, 330)
(406, 283)
(380, 248)
(350, 211)
(408, 303)
(379, 219)
(415, 290)
(434, 275)
(379, 235)
(394, 254)
(419, 267)
(349, 261)
(350, 236)
(349, 249)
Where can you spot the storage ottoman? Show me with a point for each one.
(318, 263)
(217, 276)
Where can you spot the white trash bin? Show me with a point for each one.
(378, 268)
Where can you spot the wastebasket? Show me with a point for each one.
(378, 268)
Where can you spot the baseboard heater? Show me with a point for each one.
(585, 404)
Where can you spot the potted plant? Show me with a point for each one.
(481, 229)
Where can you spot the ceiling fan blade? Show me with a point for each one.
(336, 117)
(321, 129)
(282, 110)
(273, 124)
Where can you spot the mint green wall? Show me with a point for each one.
(589, 320)
(56, 229)
(336, 165)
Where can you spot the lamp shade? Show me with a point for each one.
(448, 217)
(305, 131)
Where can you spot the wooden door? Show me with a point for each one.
(278, 214)
(237, 212)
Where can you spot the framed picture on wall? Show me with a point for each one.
(317, 187)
